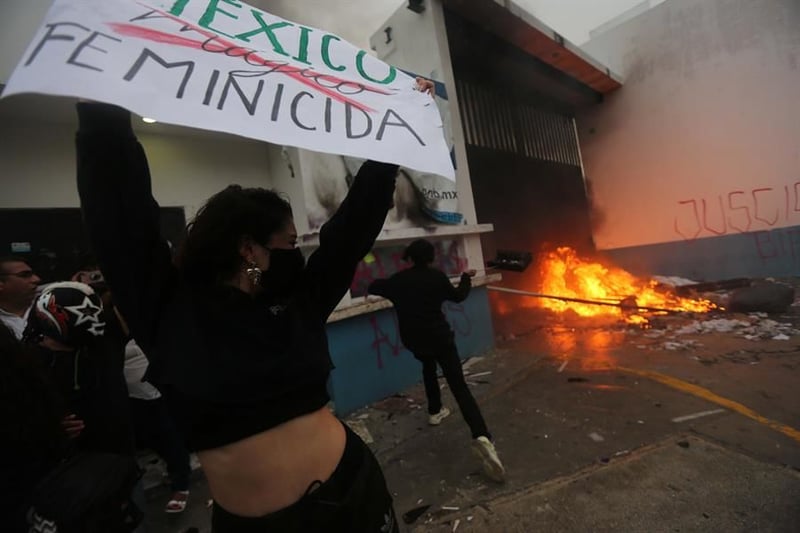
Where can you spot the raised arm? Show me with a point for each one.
(460, 292)
(121, 216)
(350, 233)
(381, 287)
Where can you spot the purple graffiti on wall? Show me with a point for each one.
(384, 342)
(385, 261)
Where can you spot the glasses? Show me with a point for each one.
(25, 274)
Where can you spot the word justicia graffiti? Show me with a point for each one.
(225, 66)
(738, 211)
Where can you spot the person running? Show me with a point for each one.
(418, 294)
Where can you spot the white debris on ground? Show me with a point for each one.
(677, 346)
(720, 325)
(753, 327)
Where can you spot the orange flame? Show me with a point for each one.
(565, 274)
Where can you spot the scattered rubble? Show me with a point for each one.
(740, 295)
(411, 516)
(471, 361)
(596, 437)
(673, 334)
(765, 296)
(753, 327)
(694, 416)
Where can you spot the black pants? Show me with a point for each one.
(353, 500)
(446, 356)
(155, 429)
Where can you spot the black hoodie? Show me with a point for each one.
(229, 365)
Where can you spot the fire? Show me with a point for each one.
(565, 274)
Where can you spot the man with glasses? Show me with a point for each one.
(18, 284)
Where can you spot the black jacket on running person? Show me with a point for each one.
(229, 365)
(418, 294)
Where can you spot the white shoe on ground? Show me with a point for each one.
(436, 419)
(177, 502)
(492, 467)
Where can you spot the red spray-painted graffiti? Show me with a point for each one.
(383, 339)
(778, 245)
(383, 262)
(390, 343)
(737, 211)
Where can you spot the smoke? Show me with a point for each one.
(597, 217)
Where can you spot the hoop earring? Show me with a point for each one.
(253, 273)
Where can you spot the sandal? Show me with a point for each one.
(177, 504)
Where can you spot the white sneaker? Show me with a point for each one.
(492, 467)
(436, 419)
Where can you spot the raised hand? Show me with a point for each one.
(72, 426)
(425, 86)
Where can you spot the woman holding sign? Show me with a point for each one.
(236, 333)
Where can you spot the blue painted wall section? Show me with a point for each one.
(371, 362)
(754, 254)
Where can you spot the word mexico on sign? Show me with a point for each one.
(223, 65)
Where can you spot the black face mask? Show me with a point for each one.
(46, 356)
(285, 271)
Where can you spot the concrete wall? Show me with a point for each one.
(371, 362)
(576, 19)
(703, 141)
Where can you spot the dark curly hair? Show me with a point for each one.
(210, 252)
(420, 252)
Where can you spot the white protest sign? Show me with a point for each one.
(223, 65)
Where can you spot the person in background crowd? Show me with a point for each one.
(75, 477)
(32, 440)
(18, 284)
(418, 294)
(83, 348)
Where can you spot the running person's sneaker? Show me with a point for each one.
(436, 418)
(492, 467)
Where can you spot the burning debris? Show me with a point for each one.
(566, 274)
(667, 313)
(591, 289)
(569, 283)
